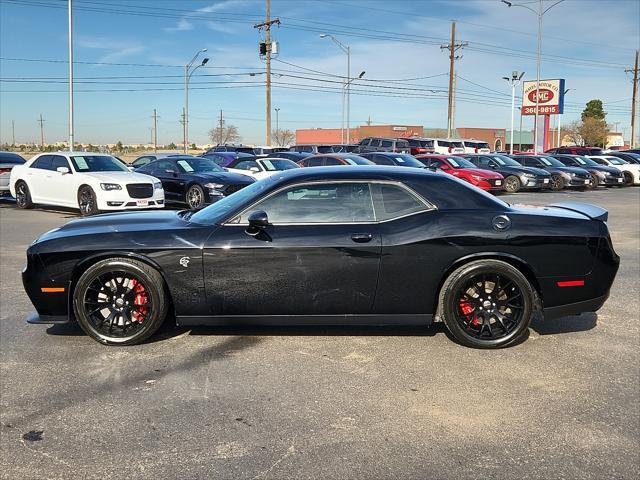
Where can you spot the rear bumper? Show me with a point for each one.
(592, 305)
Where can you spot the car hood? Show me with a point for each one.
(556, 169)
(519, 170)
(479, 172)
(226, 178)
(120, 177)
(602, 168)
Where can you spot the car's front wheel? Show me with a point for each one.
(628, 178)
(512, 184)
(120, 301)
(195, 196)
(23, 196)
(87, 202)
(487, 304)
(557, 182)
(595, 181)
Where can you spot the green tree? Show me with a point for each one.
(593, 131)
(594, 109)
(172, 146)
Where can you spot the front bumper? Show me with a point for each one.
(120, 200)
(35, 318)
(492, 184)
(539, 182)
(578, 182)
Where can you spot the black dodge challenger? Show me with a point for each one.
(322, 245)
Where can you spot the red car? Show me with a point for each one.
(464, 170)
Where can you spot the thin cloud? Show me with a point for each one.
(182, 26)
(185, 23)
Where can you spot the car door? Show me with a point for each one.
(62, 188)
(36, 178)
(168, 173)
(319, 255)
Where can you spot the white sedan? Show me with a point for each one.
(259, 168)
(631, 171)
(88, 181)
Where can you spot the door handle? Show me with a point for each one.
(361, 237)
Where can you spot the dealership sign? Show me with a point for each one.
(550, 97)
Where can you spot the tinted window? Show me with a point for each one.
(42, 163)
(380, 160)
(246, 165)
(365, 141)
(332, 161)
(277, 164)
(375, 142)
(97, 163)
(163, 165)
(139, 162)
(392, 201)
(59, 161)
(325, 149)
(6, 157)
(387, 143)
(315, 162)
(197, 164)
(324, 203)
(402, 144)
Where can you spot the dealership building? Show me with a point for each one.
(495, 137)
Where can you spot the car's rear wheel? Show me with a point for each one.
(512, 184)
(120, 301)
(195, 196)
(487, 304)
(557, 182)
(23, 196)
(87, 202)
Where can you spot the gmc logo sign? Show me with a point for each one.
(544, 96)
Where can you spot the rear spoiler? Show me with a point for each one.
(592, 211)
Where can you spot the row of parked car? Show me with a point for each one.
(96, 182)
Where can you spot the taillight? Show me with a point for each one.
(5, 170)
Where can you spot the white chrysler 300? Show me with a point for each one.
(88, 181)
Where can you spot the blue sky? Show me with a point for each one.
(397, 43)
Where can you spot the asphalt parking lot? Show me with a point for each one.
(317, 402)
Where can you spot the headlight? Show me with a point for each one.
(157, 185)
(573, 174)
(529, 175)
(476, 177)
(110, 186)
(215, 186)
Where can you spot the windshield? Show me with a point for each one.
(552, 162)
(505, 161)
(189, 165)
(616, 160)
(273, 165)
(97, 163)
(586, 161)
(220, 211)
(356, 160)
(406, 160)
(477, 144)
(453, 144)
(458, 162)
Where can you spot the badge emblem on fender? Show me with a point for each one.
(184, 261)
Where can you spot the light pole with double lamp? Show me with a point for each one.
(188, 71)
(277, 126)
(347, 82)
(514, 80)
(540, 13)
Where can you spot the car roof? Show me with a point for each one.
(336, 154)
(385, 153)
(361, 172)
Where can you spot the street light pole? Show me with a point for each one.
(71, 136)
(347, 50)
(187, 77)
(540, 13)
(513, 80)
(278, 126)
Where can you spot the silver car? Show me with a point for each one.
(8, 160)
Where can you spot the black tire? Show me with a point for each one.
(557, 182)
(512, 184)
(595, 182)
(87, 203)
(194, 197)
(23, 196)
(133, 299)
(628, 178)
(487, 320)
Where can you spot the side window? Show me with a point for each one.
(322, 203)
(564, 150)
(380, 160)
(139, 162)
(392, 201)
(246, 165)
(387, 143)
(316, 162)
(365, 141)
(486, 161)
(163, 165)
(42, 163)
(332, 161)
(374, 142)
(59, 161)
(307, 149)
(437, 163)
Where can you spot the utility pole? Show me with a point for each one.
(634, 102)
(453, 47)
(155, 130)
(71, 128)
(266, 25)
(220, 140)
(183, 118)
(41, 122)
(13, 133)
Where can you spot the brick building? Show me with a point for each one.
(332, 135)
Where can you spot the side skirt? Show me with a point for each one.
(381, 319)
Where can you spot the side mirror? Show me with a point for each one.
(258, 220)
(445, 167)
(254, 169)
(171, 172)
(131, 169)
(492, 165)
(63, 170)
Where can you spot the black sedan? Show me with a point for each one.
(562, 176)
(195, 181)
(341, 245)
(389, 158)
(627, 156)
(516, 176)
(600, 174)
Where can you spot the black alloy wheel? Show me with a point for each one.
(512, 184)
(487, 304)
(628, 178)
(595, 181)
(23, 196)
(195, 196)
(87, 202)
(120, 301)
(557, 182)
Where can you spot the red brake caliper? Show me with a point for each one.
(467, 311)
(140, 311)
